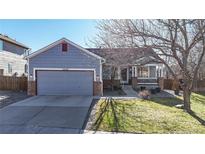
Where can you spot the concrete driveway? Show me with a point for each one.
(46, 115)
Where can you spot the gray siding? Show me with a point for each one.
(13, 48)
(17, 62)
(55, 58)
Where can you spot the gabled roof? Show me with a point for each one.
(125, 56)
(8, 39)
(58, 42)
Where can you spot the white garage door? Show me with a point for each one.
(64, 82)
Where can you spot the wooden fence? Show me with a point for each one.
(199, 85)
(168, 84)
(13, 83)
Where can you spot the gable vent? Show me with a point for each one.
(64, 47)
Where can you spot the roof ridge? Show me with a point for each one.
(11, 40)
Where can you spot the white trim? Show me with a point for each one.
(100, 71)
(28, 72)
(148, 71)
(59, 41)
(62, 69)
(133, 71)
(151, 65)
(118, 73)
(147, 78)
(146, 83)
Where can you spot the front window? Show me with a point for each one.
(146, 72)
(143, 72)
(152, 71)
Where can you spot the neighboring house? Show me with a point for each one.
(65, 68)
(134, 66)
(11, 57)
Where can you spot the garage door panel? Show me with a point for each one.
(65, 83)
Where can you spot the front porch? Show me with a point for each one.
(137, 76)
(141, 75)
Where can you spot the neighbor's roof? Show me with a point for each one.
(125, 56)
(8, 39)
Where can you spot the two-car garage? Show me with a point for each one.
(64, 68)
(63, 82)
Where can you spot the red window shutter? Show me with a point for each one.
(64, 47)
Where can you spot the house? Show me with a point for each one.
(11, 57)
(65, 68)
(134, 66)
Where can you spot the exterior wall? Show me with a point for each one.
(17, 62)
(97, 88)
(55, 58)
(7, 46)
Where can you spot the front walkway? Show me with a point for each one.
(129, 91)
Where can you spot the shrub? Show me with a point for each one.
(158, 89)
(145, 94)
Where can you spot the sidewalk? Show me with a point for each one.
(101, 132)
(129, 91)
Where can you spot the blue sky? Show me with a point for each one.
(39, 33)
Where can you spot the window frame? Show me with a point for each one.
(10, 69)
(140, 70)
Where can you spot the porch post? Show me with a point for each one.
(118, 73)
(156, 70)
(148, 71)
(133, 71)
(135, 75)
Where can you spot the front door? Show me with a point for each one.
(124, 75)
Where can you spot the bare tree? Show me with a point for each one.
(182, 41)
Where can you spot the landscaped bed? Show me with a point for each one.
(158, 115)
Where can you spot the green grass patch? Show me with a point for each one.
(158, 115)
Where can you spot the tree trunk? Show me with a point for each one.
(187, 102)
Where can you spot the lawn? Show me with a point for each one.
(158, 115)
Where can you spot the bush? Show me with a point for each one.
(145, 94)
(142, 88)
(158, 89)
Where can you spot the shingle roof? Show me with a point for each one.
(125, 56)
(8, 39)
